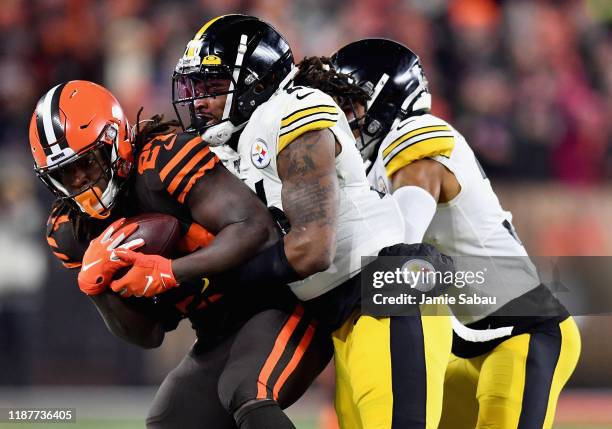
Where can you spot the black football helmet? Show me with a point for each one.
(393, 77)
(249, 52)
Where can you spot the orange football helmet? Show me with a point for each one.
(79, 126)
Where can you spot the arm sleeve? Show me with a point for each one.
(418, 209)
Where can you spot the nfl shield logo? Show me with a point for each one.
(260, 155)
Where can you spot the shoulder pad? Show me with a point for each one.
(416, 138)
(307, 109)
(177, 162)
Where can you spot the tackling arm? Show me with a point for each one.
(310, 201)
(242, 225)
(310, 196)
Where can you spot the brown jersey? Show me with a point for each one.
(166, 171)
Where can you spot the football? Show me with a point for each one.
(160, 232)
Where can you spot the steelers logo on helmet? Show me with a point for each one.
(260, 154)
(233, 64)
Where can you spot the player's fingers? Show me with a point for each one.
(108, 232)
(116, 242)
(133, 244)
(124, 233)
(125, 255)
(129, 229)
(116, 286)
(115, 264)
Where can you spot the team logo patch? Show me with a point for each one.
(260, 154)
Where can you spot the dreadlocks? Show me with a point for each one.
(155, 126)
(319, 73)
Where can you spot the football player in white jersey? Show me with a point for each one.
(512, 358)
(233, 86)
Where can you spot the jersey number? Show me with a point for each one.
(147, 158)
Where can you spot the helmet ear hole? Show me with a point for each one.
(259, 88)
(373, 127)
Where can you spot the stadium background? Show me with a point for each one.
(529, 83)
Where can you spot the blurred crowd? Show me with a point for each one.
(528, 82)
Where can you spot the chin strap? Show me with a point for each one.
(220, 134)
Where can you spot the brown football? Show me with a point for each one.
(160, 232)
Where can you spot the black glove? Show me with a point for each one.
(440, 262)
(405, 272)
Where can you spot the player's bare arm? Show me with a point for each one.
(129, 322)
(242, 225)
(430, 175)
(310, 198)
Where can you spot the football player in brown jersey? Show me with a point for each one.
(257, 350)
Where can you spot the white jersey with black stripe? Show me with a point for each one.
(276, 124)
(471, 224)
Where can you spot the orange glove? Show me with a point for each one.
(99, 265)
(149, 275)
